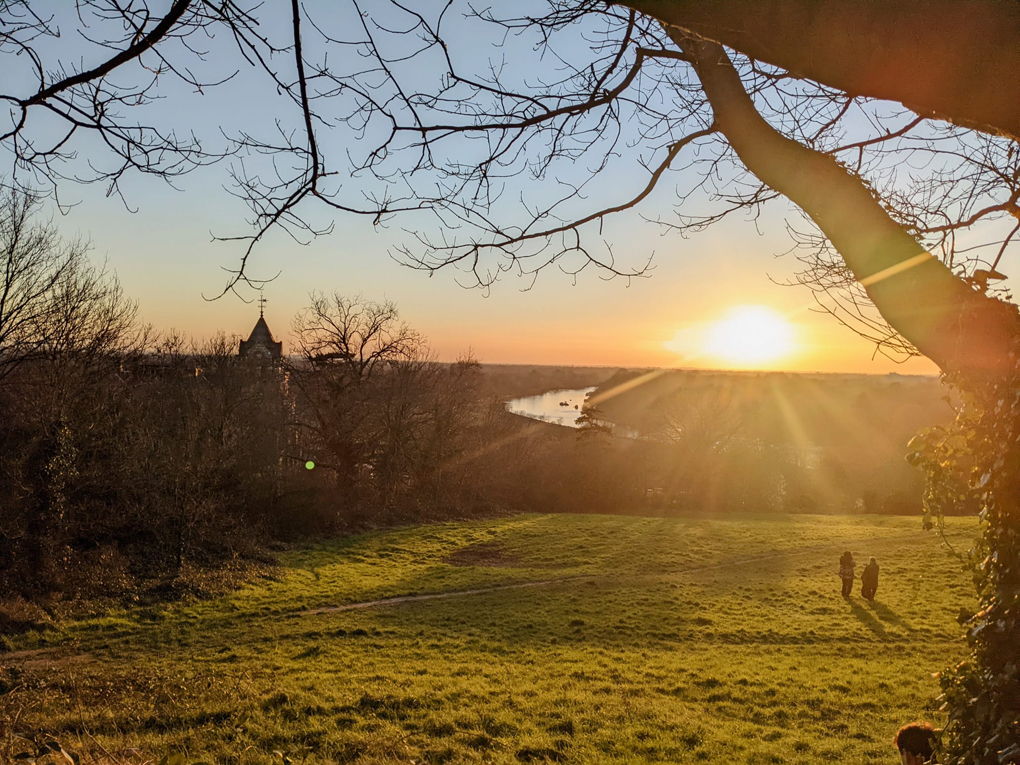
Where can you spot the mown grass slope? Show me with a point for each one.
(656, 640)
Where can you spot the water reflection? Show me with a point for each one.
(561, 407)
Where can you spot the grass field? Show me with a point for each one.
(658, 640)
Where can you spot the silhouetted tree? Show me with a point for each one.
(401, 432)
(33, 261)
(347, 348)
(428, 127)
(65, 328)
(591, 423)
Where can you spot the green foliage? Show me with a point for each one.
(975, 463)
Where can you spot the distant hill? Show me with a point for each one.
(783, 406)
(516, 380)
(848, 434)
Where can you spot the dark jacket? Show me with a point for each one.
(870, 575)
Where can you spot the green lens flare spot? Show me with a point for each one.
(310, 465)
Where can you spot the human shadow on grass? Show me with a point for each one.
(889, 616)
(865, 617)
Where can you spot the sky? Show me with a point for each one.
(165, 256)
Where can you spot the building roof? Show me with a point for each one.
(261, 341)
(261, 332)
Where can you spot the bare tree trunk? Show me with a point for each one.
(960, 329)
(952, 60)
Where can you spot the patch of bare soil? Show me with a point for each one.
(42, 659)
(487, 554)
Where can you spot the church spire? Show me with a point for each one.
(261, 341)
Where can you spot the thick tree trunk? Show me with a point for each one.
(959, 329)
(955, 60)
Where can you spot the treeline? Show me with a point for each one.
(128, 459)
(393, 434)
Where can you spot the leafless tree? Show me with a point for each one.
(207, 429)
(67, 330)
(397, 108)
(402, 432)
(63, 319)
(348, 348)
(36, 261)
(354, 335)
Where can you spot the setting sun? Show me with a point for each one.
(750, 336)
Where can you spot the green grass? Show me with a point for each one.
(644, 653)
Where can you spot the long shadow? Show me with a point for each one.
(889, 616)
(865, 617)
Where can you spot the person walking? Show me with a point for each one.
(869, 580)
(846, 572)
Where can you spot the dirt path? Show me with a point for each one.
(44, 658)
(439, 595)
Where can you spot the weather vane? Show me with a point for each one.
(262, 304)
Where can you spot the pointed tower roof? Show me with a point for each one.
(261, 341)
(261, 332)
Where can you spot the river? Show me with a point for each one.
(548, 406)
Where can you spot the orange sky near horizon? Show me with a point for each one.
(638, 329)
(165, 258)
(590, 322)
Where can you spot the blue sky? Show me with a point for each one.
(166, 258)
